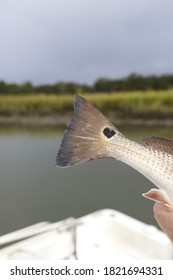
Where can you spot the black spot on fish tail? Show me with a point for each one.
(108, 132)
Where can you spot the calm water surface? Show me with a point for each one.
(32, 189)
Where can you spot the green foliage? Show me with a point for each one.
(30, 105)
(150, 104)
(132, 83)
(58, 88)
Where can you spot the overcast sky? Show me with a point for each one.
(45, 41)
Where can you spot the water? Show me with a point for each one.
(32, 189)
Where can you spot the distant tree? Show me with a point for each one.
(3, 87)
(43, 89)
(25, 88)
(131, 83)
(61, 87)
(135, 82)
(102, 85)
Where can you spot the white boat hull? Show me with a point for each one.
(102, 235)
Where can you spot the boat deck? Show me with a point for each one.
(104, 234)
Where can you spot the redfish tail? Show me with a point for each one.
(82, 140)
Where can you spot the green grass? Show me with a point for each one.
(137, 104)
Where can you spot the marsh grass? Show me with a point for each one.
(129, 104)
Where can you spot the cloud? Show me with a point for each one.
(48, 41)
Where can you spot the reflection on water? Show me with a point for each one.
(32, 189)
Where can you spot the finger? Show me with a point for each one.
(164, 217)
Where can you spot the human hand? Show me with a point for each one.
(164, 217)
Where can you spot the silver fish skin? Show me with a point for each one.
(90, 135)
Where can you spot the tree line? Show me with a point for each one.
(133, 82)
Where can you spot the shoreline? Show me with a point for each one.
(64, 120)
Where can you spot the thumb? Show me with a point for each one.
(164, 217)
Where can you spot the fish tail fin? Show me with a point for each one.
(82, 140)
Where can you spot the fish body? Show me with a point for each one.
(90, 135)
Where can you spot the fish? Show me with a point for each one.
(90, 135)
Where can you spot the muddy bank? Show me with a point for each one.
(63, 120)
